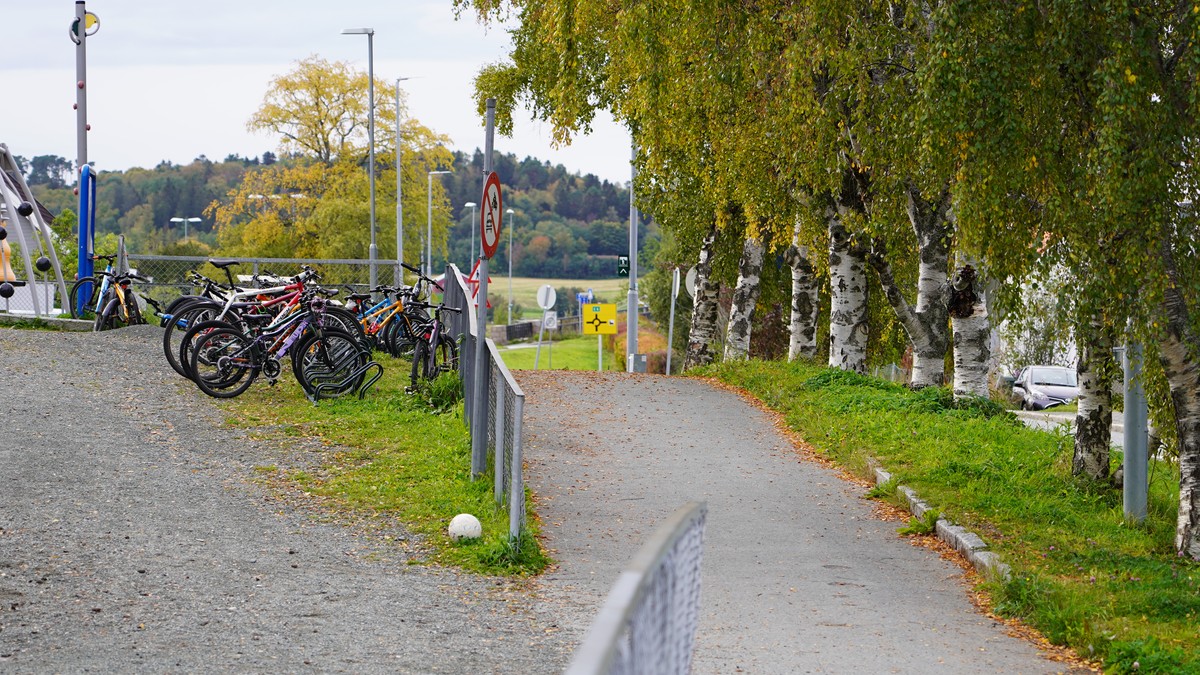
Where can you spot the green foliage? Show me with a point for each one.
(442, 394)
(884, 490)
(1081, 575)
(923, 526)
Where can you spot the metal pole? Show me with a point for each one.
(671, 323)
(373, 252)
(471, 251)
(399, 193)
(1136, 461)
(599, 353)
(631, 317)
(87, 228)
(429, 230)
(510, 257)
(479, 407)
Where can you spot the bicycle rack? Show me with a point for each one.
(341, 384)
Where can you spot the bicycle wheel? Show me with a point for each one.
(223, 364)
(445, 356)
(332, 360)
(191, 337)
(185, 316)
(339, 318)
(109, 317)
(134, 309)
(89, 288)
(399, 340)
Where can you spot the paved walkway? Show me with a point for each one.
(798, 575)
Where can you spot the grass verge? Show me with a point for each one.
(401, 456)
(1111, 590)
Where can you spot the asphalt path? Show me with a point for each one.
(799, 574)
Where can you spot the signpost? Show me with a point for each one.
(671, 323)
(546, 297)
(600, 320)
(490, 225)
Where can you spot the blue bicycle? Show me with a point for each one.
(88, 292)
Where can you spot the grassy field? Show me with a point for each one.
(399, 458)
(1111, 590)
(525, 290)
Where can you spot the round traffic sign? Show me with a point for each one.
(491, 215)
(546, 296)
(689, 283)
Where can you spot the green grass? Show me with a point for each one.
(403, 457)
(525, 291)
(579, 353)
(1081, 574)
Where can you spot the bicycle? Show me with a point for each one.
(436, 352)
(120, 303)
(327, 363)
(86, 294)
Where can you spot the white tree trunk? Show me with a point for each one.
(1093, 421)
(848, 300)
(703, 332)
(972, 336)
(802, 342)
(745, 297)
(1180, 362)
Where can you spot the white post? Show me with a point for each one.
(599, 353)
(373, 251)
(510, 260)
(671, 323)
(399, 194)
(631, 317)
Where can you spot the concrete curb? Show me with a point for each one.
(61, 324)
(970, 545)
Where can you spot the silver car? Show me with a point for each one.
(1041, 387)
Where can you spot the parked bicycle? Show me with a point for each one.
(89, 292)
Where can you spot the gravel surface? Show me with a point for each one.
(134, 538)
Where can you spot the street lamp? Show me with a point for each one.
(372, 252)
(185, 222)
(511, 225)
(429, 232)
(471, 252)
(399, 192)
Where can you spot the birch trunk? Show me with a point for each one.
(972, 336)
(848, 299)
(1180, 361)
(1093, 422)
(745, 297)
(702, 334)
(803, 328)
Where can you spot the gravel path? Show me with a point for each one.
(133, 538)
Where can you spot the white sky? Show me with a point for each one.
(171, 80)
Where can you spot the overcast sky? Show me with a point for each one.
(172, 80)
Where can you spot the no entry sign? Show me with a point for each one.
(491, 215)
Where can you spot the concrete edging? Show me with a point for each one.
(55, 322)
(970, 545)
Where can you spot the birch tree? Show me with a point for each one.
(1076, 123)
(745, 297)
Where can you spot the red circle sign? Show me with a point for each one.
(491, 215)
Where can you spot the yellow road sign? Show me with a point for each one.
(599, 319)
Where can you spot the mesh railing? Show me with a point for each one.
(504, 398)
(648, 622)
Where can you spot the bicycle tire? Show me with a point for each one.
(399, 340)
(108, 318)
(190, 314)
(133, 309)
(88, 311)
(445, 356)
(196, 332)
(222, 363)
(329, 358)
(340, 318)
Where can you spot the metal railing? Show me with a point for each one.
(648, 622)
(505, 400)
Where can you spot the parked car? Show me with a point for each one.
(1041, 387)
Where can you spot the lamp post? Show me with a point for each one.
(399, 192)
(185, 222)
(429, 231)
(372, 252)
(512, 224)
(471, 252)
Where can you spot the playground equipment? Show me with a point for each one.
(23, 222)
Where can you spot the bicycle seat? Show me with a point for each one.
(359, 296)
(223, 263)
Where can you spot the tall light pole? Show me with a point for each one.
(512, 223)
(471, 252)
(429, 231)
(185, 222)
(399, 191)
(372, 252)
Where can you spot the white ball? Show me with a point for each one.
(465, 526)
